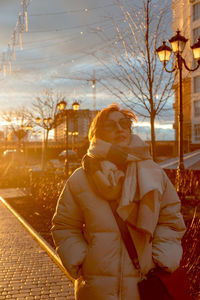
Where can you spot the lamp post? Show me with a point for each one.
(164, 52)
(73, 134)
(24, 137)
(62, 107)
(46, 124)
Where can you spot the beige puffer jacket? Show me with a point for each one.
(89, 244)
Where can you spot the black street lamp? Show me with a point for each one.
(62, 107)
(164, 52)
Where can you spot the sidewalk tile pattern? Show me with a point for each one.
(26, 270)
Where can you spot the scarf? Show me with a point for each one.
(127, 175)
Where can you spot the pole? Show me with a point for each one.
(180, 169)
(94, 94)
(43, 150)
(66, 143)
(180, 118)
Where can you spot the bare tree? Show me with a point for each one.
(19, 123)
(134, 74)
(44, 114)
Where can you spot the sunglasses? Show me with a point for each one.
(124, 123)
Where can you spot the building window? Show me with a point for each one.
(197, 108)
(197, 132)
(196, 11)
(196, 34)
(197, 84)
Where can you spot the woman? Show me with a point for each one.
(119, 170)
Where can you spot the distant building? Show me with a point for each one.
(78, 125)
(186, 18)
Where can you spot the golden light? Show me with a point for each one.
(50, 120)
(75, 106)
(61, 105)
(93, 83)
(37, 120)
(196, 50)
(164, 52)
(29, 127)
(178, 42)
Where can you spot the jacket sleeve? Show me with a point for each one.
(166, 244)
(68, 234)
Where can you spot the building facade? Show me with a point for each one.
(186, 18)
(77, 122)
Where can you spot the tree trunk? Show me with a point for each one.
(153, 113)
(44, 150)
(46, 147)
(153, 138)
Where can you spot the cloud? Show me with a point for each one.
(162, 134)
(54, 46)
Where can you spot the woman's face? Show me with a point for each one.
(117, 129)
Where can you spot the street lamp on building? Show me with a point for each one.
(178, 43)
(62, 107)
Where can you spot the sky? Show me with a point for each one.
(58, 53)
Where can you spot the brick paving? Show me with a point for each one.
(26, 270)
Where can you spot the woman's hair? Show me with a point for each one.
(96, 126)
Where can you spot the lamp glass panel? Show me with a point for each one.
(61, 106)
(76, 106)
(164, 55)
(178, 46)
(196, 53)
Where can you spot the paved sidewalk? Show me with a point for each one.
(13, 193)
(26, 270)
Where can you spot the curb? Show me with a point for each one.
(44, 245)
